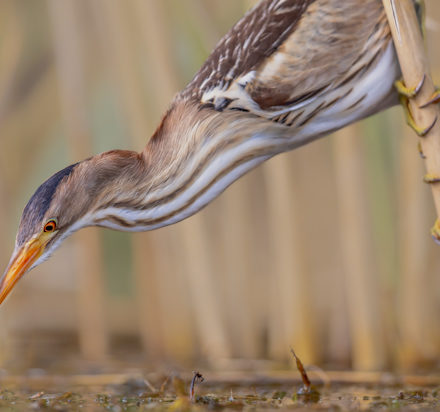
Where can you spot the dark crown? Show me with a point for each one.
(40, 201)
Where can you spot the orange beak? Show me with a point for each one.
(20, 263)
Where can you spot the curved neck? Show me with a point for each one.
(193, 157)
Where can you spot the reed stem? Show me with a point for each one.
(409, 44)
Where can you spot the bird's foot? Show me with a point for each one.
(407, 93)
(435, 232)
(420, 130)
(410, 92)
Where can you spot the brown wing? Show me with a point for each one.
(285, 53)
(249, 43)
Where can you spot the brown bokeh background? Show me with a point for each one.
(325, 249)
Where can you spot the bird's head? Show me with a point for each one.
(46, 220)
(63, 204)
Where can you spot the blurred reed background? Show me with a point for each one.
(326, 249)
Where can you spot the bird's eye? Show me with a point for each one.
(50, 226)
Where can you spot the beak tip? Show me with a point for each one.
(21, 261)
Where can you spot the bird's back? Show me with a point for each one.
(290, 61)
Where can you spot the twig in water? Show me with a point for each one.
(149, 385)
(196, 379)
(302, 371)
(307, 393)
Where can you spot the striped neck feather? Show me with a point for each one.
(185, 170)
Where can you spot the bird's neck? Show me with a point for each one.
(194, 155)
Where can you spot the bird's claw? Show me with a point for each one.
(435, 98)
(409, 92)
(431, 178)
(419, 147)
(420, 131)
(435, 232)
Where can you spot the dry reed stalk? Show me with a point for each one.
(231, 250)
(114, 28)
(156, 283)
(415, 304)
(123, 66)
(148, 303)
(177, 305)
(313, 167)
(414, 64)
(21, 140)
(151, 21)
(366, 329)
(68, 44)
(261, 262)
(291, 321)
(29, 96)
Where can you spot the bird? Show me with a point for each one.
(287, 73)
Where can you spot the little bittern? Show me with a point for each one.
(289, 72)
